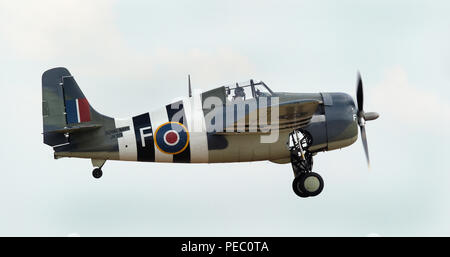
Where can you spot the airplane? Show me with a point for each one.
(239, 122)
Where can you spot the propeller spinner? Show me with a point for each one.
(363, 116)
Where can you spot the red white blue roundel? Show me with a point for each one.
(171, 137)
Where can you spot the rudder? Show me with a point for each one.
(63, 105)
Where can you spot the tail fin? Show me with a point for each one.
(64, 107)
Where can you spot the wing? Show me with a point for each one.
(263, 119)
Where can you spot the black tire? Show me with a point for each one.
(312, 184)
(298, 181)
(97, 173)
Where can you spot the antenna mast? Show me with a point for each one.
(189, 83)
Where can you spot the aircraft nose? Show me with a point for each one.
(354, 111)
(342, 128)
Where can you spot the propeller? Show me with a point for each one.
(363, 116)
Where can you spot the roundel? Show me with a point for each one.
(171, 138)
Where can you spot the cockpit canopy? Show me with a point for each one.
(247, 90)
(241, 91)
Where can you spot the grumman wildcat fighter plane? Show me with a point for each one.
(241, 122)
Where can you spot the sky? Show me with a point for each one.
(131, 57)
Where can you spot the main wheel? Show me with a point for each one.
(311, 184)
(97, 173)
(298, 180)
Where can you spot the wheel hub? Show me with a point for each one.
(312, 184)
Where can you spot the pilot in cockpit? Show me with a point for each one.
(239, 93)
(258, 93)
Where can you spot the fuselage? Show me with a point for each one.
(150, 136)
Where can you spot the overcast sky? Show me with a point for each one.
(130, 57)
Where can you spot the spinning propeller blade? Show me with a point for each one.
(363, 117)
(359, 93)
(364, 140)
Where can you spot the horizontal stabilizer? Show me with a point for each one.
(74, 129)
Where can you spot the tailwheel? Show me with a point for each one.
(98, 164)
(97, 173)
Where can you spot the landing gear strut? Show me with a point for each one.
(306, 183)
